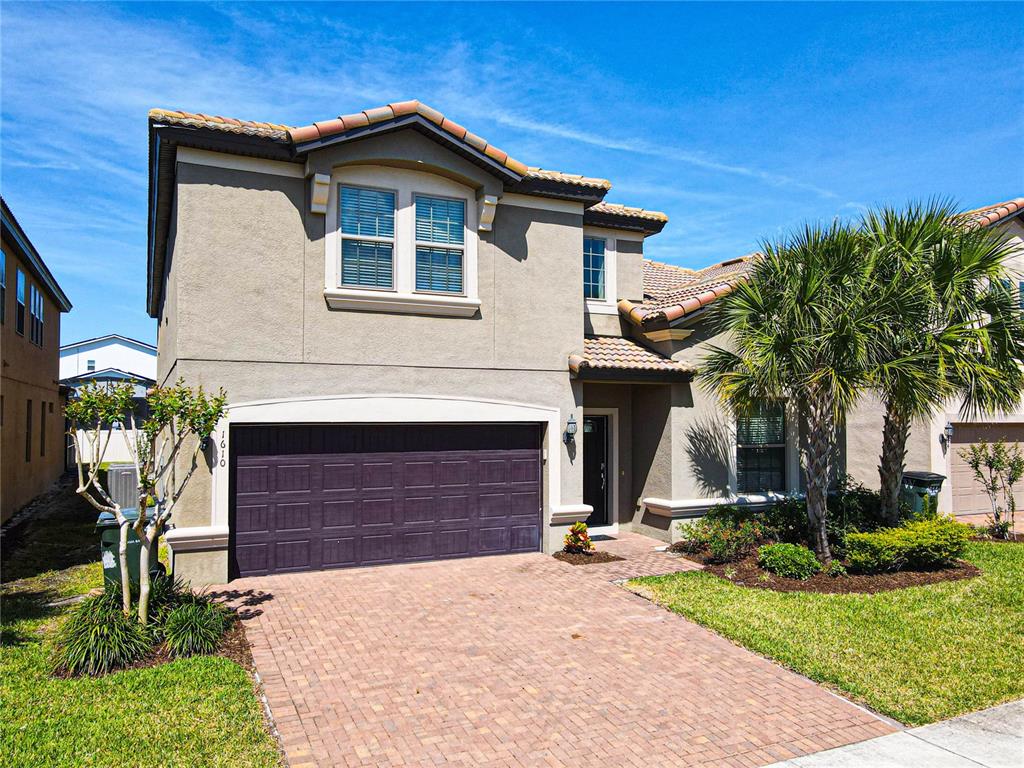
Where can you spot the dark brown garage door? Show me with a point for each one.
(312, 497)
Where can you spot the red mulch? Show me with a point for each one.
(587, 558)
(748, 573)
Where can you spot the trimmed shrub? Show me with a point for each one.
(836, 569)
(790, 561)
(577, 540)
(722, 541)
(98, 638)
(194, 628)
(928, 543)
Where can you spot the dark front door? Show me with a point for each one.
(313, 497)
(595, 468)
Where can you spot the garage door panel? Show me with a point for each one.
(338, 514)
(968, 495)
(409, 494)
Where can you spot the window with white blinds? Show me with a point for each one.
(440, 244)
(761, 449)
(366, 221)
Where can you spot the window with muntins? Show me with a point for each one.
(3, 287)
(366, 221)
(593, 267)
(19, 314)
(761, 449)
(440, 244)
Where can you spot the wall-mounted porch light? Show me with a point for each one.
(947, 435)
(570, 430)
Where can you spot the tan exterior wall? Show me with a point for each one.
(29, 373)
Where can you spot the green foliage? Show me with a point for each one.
(835, 569)
(101, 403)
(167, 593)
(194, 410)
(97, 638)
(577, 540)
(790, 561)
(997, 468)
(720, 537)
(917, 544)
(194, 628)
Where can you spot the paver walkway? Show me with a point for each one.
(518, 660)
(643, 555)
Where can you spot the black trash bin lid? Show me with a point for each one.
(107, 519)
(923, 478)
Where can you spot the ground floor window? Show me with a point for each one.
(761, 449)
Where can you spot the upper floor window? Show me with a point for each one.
(367, 225)
(440, 244)
(3, 287)
(19, 315)
(761, 449)
(594, 267)
(35, 308)
(90, 365)
(405, 241)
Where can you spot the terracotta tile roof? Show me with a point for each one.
(666, 299)
(614, 353)
(993, 214)
(342, 124)
(614, 209)
(218, 123)
(660, 277)
(568, 178)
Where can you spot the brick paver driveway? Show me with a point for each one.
(518, 660)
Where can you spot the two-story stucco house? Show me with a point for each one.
(430, 349)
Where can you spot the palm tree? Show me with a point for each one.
(962, 336)
(803, 328)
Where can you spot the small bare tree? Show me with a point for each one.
(997, 468)
(165, 449)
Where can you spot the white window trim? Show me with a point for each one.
(607, 305)
(392, 241)
(417, 243)
(404, 297)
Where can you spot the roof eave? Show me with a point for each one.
(13, 231)
(620, 221)
(628, 375)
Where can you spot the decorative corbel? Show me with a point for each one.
(488, 206)
(319, 185)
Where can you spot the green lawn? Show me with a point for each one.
(193, 712)
(918, 655)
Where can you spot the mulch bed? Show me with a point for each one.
(589, 558)
(1018, 539)
(747, 573)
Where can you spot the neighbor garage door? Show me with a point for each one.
(313, 497)
(968, 496)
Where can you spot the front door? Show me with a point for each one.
(595, 468)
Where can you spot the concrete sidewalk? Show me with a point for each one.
(993, 738)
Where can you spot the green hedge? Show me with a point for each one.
(788, 560)
(919, 544)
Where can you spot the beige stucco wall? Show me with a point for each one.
(245, 310)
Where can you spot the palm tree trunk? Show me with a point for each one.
(895, 433)
(819, 448)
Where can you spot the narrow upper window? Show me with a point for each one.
(90, 365)
(3, 287)
(19, 315)
(367, 224)
(593, 267)
(761, 449)
(35, 308)
(28, 430)
(440, 244)
(42, 429)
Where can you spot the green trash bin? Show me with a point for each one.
(921, 490)
(110, 544)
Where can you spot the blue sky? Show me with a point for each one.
(738, 120)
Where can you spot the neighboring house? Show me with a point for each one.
(31, 401)
(111, 358)
(935, 445)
